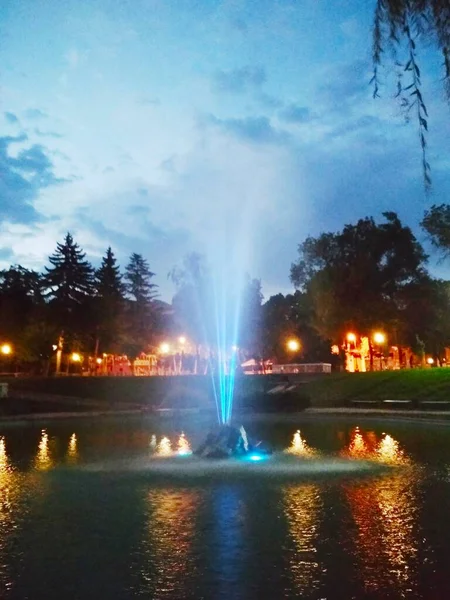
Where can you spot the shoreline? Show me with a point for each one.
(415, 416)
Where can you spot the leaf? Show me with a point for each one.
(417, 70)
(408, 65)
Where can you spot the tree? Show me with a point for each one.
(110, 292)
(69, 285)
(399, 25)
(291, 316)
(70, 279)
(21, 307)
(141, 313)
(355, 279)
(436, 223)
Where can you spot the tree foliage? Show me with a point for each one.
(436, 223)
(355, 278)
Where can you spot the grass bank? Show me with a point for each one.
(334, 390)
(343, 389)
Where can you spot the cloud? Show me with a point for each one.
(35, 113)
(11, 118)
(258, 130)
(293, 113)
(23, 177)
(6, 254)
(50, 134)
(239, 81)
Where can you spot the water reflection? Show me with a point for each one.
(302, 507)
(367, 446)
(43, 460)
(386, 514)
(168, 562)
(299, 447)
(72, 451)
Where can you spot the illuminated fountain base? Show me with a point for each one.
(227, 441)
(246, 460)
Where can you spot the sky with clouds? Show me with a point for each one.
(171, 126)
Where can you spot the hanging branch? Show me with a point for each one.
(406, 21)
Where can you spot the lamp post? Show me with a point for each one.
(293, 345)
(379, 339)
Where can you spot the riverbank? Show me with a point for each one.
(409, 391)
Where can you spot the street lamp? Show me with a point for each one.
(164, 348)
(75, 357)
(6, 349)
(293, 345)
(351, 337)
(430, 361)
(182, 339)
(379, 338)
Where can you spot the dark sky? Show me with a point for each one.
(171, 126)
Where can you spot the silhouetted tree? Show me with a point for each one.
(141, 313)
(69, 285)
(436, 223)
(355, 278)
(110, 292)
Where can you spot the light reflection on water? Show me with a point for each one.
(385, 512)
(43, 460)
(302, 508)
(222, 534)
(166, 550)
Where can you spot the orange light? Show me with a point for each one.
(75, 357)
(379, 338)
(6, 349)
(351, 337)
(182, 339)
(99, 361)
(164, 348)
(430, 361)
(293, 345)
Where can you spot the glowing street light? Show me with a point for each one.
(99, 361)
(293, 345)
(6, 349)
(430, 360)
(164, 348)
(379, 338)
(351, 337)
(75, 357)
(182, 339)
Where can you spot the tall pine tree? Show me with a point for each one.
(110, 292)
(142, 314)
(70, 278)
(69, 285)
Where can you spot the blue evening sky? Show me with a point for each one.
(164, 126)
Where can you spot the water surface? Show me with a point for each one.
(82, 517)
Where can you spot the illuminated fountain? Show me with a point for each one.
(164, 447)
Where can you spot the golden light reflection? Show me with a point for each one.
(302, 507)
(43, 459)
(385, 513)
(167, 547)
(389, 452)
(299, 447)
(164, 447)
(368, 447)
(183, 445)
(72, 451)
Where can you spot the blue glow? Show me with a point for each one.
(256, 457)
(184, 453)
